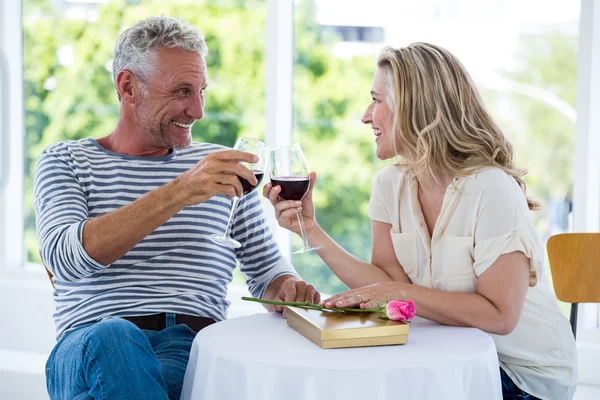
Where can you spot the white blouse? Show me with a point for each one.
(483, 216)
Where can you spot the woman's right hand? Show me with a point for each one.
(286, 210)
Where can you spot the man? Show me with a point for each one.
(123, 224)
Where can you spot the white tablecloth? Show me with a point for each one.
(260, 357)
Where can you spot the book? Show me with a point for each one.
(331, 330)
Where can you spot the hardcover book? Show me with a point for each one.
(331, 330)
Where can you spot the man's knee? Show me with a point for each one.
(114, 359)
(115, 333)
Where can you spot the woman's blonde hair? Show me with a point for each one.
(439, 117)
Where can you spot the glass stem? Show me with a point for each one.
(234, 203)
(303, 231)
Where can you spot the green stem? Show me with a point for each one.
(280, 303)
(306, 304)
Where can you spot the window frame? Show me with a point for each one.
(279, 67)
(278, 103)
(12, 251)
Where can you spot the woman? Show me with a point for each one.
(451, 224)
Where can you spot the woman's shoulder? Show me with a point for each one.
(389, 178)
(390, 184)
(495, 183)
(491, 179)
(390, 173)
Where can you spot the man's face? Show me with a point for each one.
(172, 99)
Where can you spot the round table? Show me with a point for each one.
(259, 357)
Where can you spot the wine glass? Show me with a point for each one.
(290, 172)
(261, 150)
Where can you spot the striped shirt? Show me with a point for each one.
(174, 269)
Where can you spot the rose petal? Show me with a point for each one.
(400, 310)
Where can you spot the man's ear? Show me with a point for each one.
(127, 86)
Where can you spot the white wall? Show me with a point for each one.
(26, 338)
(27, 335)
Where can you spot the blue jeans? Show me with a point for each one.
(510, 391)
(114, 359)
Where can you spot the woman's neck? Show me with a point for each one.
(434, 183)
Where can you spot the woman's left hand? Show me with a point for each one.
(367, 296)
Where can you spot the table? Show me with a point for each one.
(259, 357)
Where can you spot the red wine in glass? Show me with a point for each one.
(290, 172)
(292, 187)
(247, 186)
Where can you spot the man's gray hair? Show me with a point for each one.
(134, 49)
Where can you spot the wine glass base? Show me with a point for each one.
(307, 249)
(225, 241)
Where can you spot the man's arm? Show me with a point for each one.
(109, 237)
(269, 275)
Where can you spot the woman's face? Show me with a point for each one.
(381, 118)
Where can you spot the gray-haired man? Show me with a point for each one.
(123, 222)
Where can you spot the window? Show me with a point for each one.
(68, 86)
(521, 55)
(357, 34)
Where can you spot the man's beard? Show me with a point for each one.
(156, 130)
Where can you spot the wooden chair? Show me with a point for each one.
(575, 265)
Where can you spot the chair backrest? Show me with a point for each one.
(47, 270)
(575, 266)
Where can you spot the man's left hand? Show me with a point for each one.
(294, 290)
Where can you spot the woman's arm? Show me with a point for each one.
(495, 308)
(383, 254)
(352, 271)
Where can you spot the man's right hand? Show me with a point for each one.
(217, 173)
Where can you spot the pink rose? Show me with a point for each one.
(398, 310)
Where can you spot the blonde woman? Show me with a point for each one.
(451, 223)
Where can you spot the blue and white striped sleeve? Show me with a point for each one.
(259, 257)
(61, 212)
